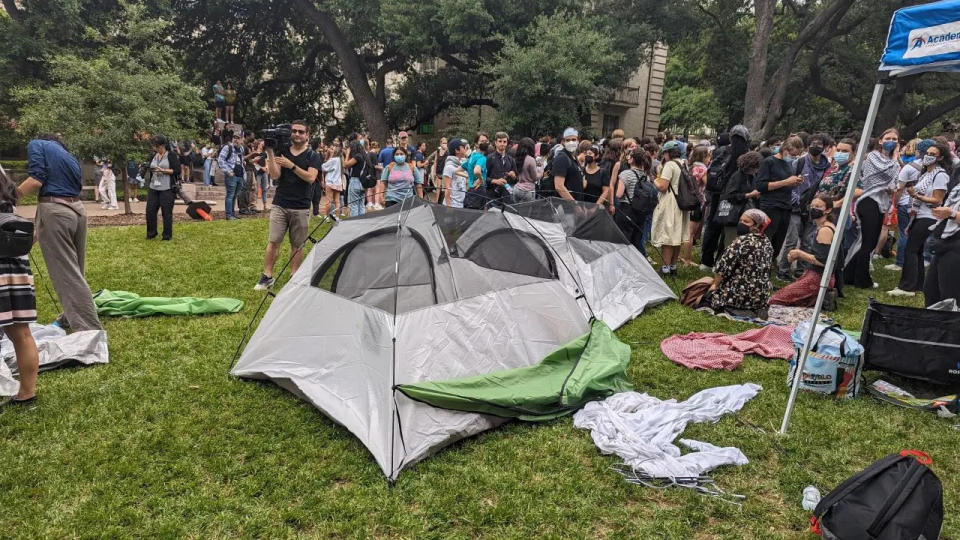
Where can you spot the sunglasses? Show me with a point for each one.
(301, 131)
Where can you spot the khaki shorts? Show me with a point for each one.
(297, 221)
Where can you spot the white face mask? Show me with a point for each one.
(571, 146)
(929, 160)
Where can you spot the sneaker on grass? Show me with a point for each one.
(900, 292)
(263, 283)
(893, 267)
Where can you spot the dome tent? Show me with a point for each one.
(423, 294)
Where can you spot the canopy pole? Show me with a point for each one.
(834, 249)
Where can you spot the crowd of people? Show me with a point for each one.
(662, 191)
(763, 212)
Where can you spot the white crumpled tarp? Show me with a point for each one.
(56, 349)
(641, 429)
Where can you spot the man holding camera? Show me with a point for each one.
(295, 171)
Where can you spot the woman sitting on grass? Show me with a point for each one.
(803, 292)
(742, 283)
(18, 306)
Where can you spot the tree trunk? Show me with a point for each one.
(824, 19)
(753, 102)
(353, 69)
(929, 115)
(126, 189)
(892, 104)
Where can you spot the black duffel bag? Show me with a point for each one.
(896, 498)
(16, 235)
(912, 342)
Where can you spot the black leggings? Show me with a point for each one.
(857, 273)
(942, 282)
(631, 225)
(912, 277)
(162, 201)
(712, 245)
(777, 230)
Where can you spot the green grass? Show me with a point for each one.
(163, 442)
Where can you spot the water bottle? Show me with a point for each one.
(811, 497)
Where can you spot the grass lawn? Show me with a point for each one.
(163, 442)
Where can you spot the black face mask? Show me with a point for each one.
(588, 159)
(815, 151)
(742, 229)
(816, 213)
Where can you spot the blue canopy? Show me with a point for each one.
(923, 38)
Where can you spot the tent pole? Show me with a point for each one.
(834, 248)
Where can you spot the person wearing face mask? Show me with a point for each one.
(775, 181)
(400, 179)
(812, 167)
(803, 292)
(476, 168)
(738, 196)
(597, 177)
(566, 170)
(878, 179)
(927, 194)
(909, 175)
(741, 285)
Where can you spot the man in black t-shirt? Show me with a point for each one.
(294, 170)
(567, 174)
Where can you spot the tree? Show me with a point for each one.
(538, 88)
(765, 95)
(100, 104)
(441, 51)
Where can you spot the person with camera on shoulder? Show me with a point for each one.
(295, 170)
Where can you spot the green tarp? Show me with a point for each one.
(588, 368)
(128, 304)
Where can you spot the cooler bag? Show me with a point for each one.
(833, 364)
(912, 342)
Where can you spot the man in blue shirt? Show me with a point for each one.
(61, 224)
(385, 157)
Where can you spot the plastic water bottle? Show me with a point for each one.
(811, 497)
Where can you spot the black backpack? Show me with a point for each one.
(895, 498)
(717, 171)
(645, 195)
(368, 177)
(687, 194)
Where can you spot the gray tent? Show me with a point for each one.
(423, 292)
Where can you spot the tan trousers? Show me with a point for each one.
(62, 233)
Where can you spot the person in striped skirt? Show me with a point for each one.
(18, 306)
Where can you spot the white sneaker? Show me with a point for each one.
(926, 264)
(893, 267)
(898, 292)
(113, 208)
(705, 268)
(876, 256)
(136, 199)
(876, 285)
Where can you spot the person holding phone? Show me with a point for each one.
(775, 181)
(164, 167)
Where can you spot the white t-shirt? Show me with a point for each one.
(908, 173)
(458, 184)
(331, 172)
(941, 181)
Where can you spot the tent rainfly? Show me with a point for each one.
(406, 325)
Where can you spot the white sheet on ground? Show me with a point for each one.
(641, 429)
(56, 349)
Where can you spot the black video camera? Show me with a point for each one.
(277, 137)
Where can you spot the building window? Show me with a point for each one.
(610, 123)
